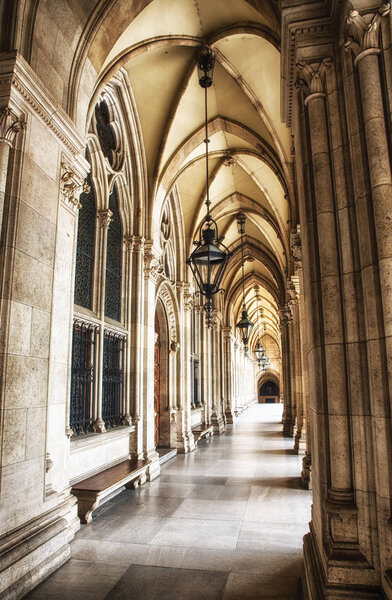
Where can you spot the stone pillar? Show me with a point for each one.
(129, 244)
(285, 321)
(152, 255)
(104, 218)
(216, 416)
(335, 546)
(38, 516)
(136, 348)
(188, 303)
(229, 373)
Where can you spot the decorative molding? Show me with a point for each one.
(19, 82)
(129, 243)
(10, 125)
(363, 31)
(71, 186)
(167, 300)
(104, 217)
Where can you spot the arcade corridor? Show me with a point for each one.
(224, 522)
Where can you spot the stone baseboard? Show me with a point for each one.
(34, 550)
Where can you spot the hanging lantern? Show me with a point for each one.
(244, 324)
(209, 259)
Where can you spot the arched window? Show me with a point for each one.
(85, 249)
(113, 262)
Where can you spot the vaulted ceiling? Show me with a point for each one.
(250, 149)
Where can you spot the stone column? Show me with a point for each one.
(152, 268)
(216, 394)
(128, 251)
(229, 373)
(136, 348)
(285, 321)
(104, 217)
(188, 303)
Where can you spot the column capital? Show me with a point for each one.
(363, 31)
(10, 125)
(104, 217)
(311, 78)
(73, 182)
(152, 261)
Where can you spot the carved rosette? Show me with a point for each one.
(10, 125)
(71, 186)
(363, 31)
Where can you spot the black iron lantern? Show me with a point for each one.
(209, 259)
(259, 351)
(244, 324)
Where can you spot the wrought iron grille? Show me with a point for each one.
(85, 249)
(114, 262)
(82, 377)
(106, 135)
(113, 379)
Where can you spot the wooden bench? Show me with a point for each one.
(202, 431)
(91, 491)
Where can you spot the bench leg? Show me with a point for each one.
(86, 507)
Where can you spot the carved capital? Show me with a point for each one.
(104, 218)
(311, 77)
(129, 243)
(285, 316)
(71, 186)
(137, 243)
(363, 30)
(10, 125)
(152, 261)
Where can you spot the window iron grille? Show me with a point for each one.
(82, 377)
(113, 379)
(113, 261)
(85, 248)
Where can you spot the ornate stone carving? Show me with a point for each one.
(296, 249)
(363, 31)
(71, 186)
(174, 346)
(129, 243)
(310, 76)
(10, 125)
(285, 316)
(229, 160)
(104, 218)
(152, 263)
(166, 298)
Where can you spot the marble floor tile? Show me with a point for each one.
(158, 583)
(224, 510)
(79, 580)
(221, 492)
(260, 587)
(198, 533)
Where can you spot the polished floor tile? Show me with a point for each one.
(223, 523)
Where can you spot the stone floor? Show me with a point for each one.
(223, 523)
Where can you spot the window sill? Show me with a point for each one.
(97, 439)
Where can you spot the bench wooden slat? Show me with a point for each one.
(107, 478)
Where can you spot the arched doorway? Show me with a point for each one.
(269, 392)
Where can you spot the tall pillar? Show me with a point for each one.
(285, 323)
(216, 416)
(152, 255)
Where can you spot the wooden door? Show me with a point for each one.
(156, 381)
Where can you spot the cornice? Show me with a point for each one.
(20, 86)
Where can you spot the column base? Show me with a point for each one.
(185, 443)
(336, 579)
(230, 416)
(30, 553)
(306, 473)
(218, 424)
(288, 428)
